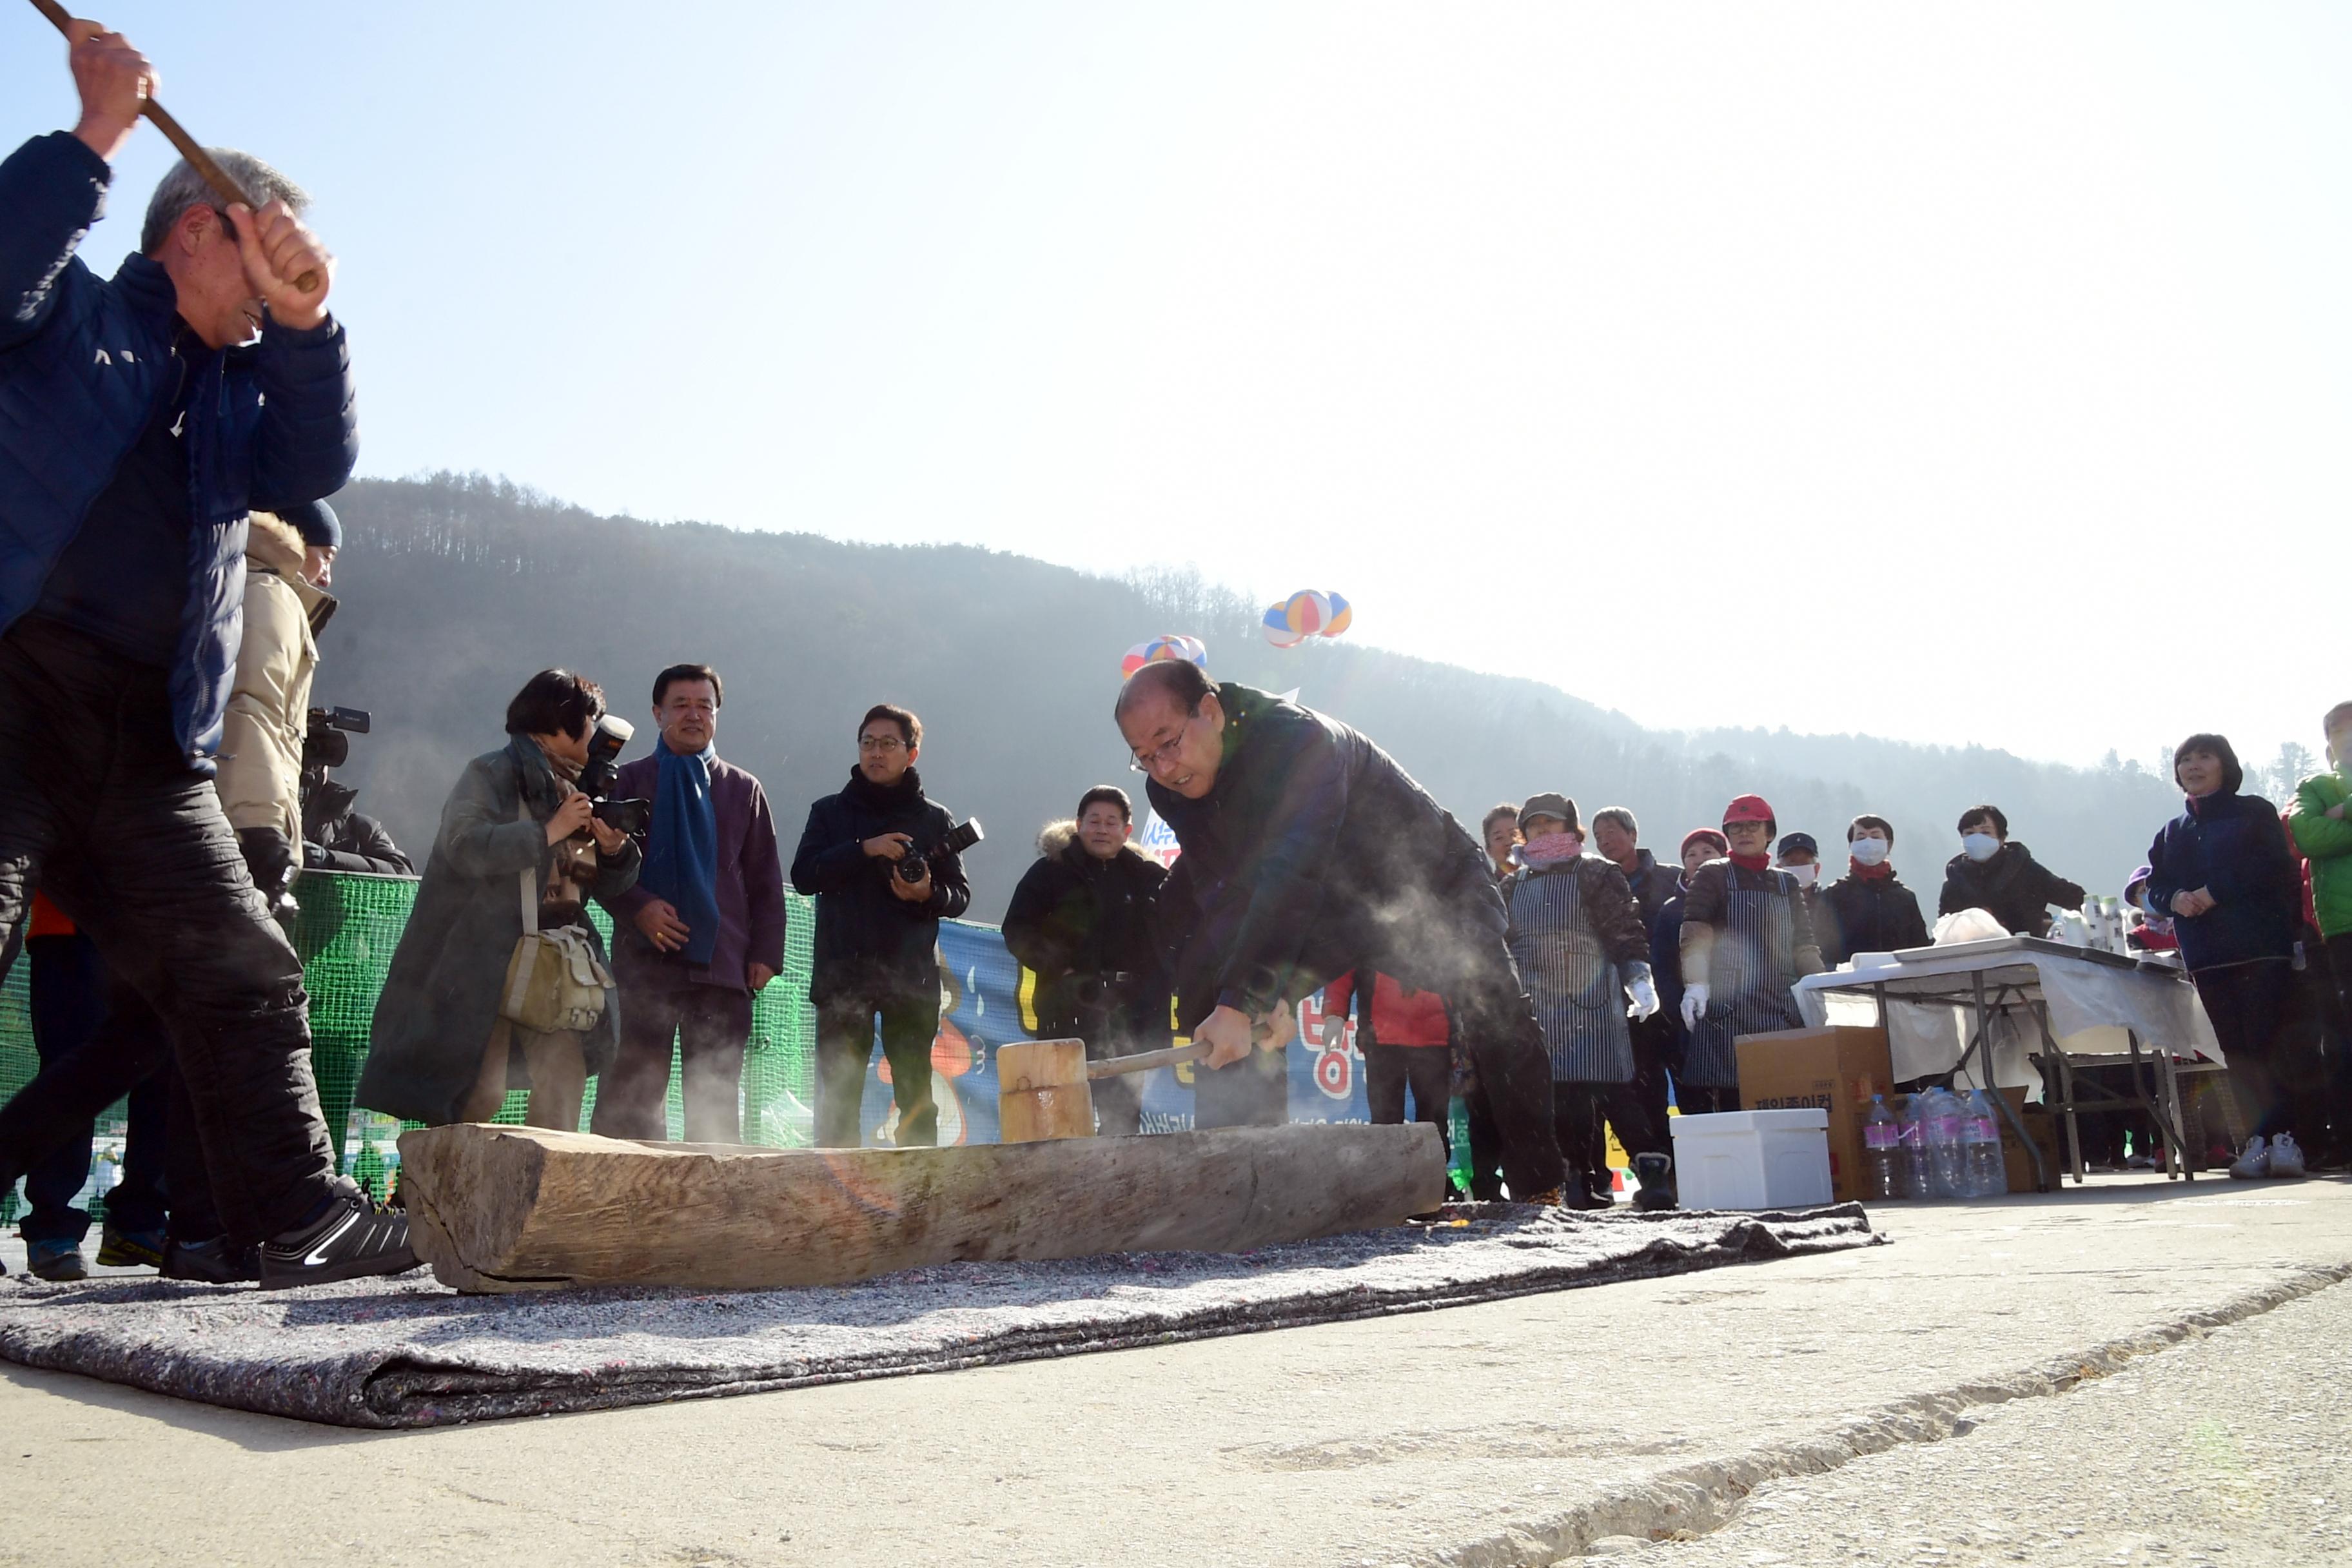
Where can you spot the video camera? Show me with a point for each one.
(915, 864)
(603, 771)
(326, 738)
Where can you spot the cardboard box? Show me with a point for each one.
(1836, 1069)
(2044, 1127)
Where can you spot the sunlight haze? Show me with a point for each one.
(1952, 374)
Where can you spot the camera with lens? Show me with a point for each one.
(631, 816)
(327, 736)
(915, 864)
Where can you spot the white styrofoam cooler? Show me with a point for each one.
(1752, 1159)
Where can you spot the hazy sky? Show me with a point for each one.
(1963, 373)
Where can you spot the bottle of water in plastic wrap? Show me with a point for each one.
(1882, 1152)
(1911, 1168)
(1987, 1172)
(1945, 1173)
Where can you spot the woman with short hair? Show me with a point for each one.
(515, 832)
(2223, 871)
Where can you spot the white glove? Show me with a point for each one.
(1335, 1032)
(1645, 998)
(1694, 1005)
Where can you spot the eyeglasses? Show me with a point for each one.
(1161, 756)
(881, 744)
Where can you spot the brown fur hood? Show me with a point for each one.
(1056, 838)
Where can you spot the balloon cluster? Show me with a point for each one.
(1160, 647)
(1306, 614)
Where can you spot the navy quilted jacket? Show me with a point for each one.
(82, 359)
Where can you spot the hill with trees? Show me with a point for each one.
(455, 589)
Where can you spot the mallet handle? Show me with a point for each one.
(1145, 1061)
(225, 188)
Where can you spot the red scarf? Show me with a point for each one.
(1878, 873)
(1753, 862)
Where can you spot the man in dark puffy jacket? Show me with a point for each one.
(1308, 853)
(1082, 922)
(877, 933)
(337, 839)
(1867, 909)
(2002, 878)
(139, 422)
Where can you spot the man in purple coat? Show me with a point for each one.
(702, 931)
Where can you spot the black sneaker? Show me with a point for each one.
(212, 1261)
(352, 1238)
(59, 1262)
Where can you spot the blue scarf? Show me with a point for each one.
(681, 862)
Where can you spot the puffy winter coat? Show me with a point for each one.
(1393, 1016)
(2327, 842)
(1084, 927)
(2011, 885)
(1867, 914)
(1315, 852)
(83, 363)
(867, 936)
(2234, 846)
(260, 779)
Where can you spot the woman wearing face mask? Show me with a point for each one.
(2002, 878)
(1745, 940)
(2223, 869)
(1867, 909)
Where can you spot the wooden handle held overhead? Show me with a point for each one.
(224, 187)
(1145, 1061)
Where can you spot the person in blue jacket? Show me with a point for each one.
(142, 418)
(2223, 870)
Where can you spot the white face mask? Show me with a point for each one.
(1978, 846)
(1869, 851)
(1806, 874)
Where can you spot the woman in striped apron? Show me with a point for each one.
(1576, 934)
(1745, 940)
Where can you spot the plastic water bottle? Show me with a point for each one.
(1882, 1152)
(1986, 1171)
(1945, 1173)
(1911, 1170)
(1457, 1139)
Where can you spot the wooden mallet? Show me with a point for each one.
(224, 187)
(1043, 1086)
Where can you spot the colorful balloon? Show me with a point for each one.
(1306, 612)
(1168, 645)
(1342, 613)
(1278, 629)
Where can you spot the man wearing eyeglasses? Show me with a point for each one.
(877, 932)
(1308, 852)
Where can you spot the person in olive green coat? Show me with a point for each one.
(439, 1052)
(2322, 833)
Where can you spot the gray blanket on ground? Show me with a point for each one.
(410, 1352)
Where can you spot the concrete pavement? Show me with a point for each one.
(1513, 1432)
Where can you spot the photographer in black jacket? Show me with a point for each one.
(1082, 920)
(876, 933)
(1308, 853)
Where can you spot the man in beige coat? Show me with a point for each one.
(288, 564)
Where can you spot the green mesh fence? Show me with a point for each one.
(346, 933)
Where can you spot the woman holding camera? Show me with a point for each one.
(500, 981)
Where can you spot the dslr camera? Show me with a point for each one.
(327, 736)
(915, 864)
(631, 816)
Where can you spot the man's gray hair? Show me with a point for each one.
(183, 188)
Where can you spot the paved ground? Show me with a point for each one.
(1514, 1432)
(2229, 1449)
